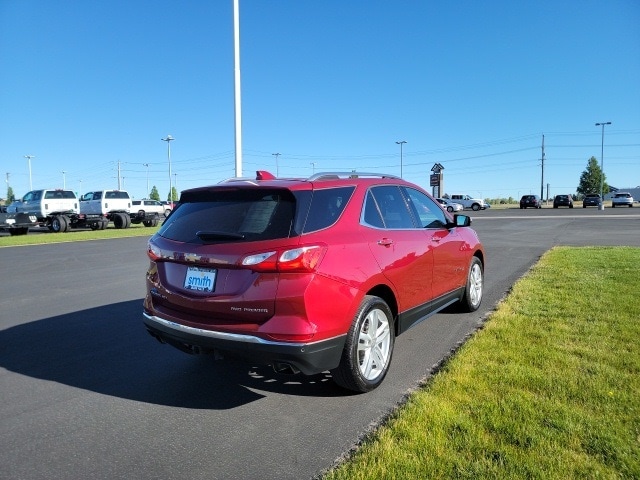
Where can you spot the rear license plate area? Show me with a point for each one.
(200, 279)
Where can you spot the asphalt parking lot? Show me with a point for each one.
(86, 393)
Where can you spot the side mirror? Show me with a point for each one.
(461, 220)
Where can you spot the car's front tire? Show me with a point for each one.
(472, 298)
(368, 348)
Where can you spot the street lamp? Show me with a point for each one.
(276, 155)
(169, 139)
(401, 142)
(602, 165)
(29, 157)
(313, 168)
(64, 180)
(147, 165)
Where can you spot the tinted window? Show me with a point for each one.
(326, 207)
(116, 194)
(245, 214)
(429, 214)
(59, 194)
(391, 206)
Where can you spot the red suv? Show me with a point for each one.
(308, 275)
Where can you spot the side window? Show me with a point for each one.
(393, 207)
(37, 196)
(97, 195)
(372, 215)
(326, 207)
(426, 210)
(28, 197)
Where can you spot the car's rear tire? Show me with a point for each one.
(120, 220)
(368, 348)
(475, 207)
(59, 224)
(472, 298)
(18, 231)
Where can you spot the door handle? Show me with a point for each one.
(385, 242)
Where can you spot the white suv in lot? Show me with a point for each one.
(622, 199)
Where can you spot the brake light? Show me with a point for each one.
(153, 252)
(300, 259)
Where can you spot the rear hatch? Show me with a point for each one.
(199, 276)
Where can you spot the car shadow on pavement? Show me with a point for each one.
(107, 350)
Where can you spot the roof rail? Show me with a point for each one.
(337, 175)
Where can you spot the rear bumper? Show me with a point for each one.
(308, 358)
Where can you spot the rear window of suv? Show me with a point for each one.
(253, 214)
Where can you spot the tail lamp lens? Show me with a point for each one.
(301, 259)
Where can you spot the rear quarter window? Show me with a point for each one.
(326, 207)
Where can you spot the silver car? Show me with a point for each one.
(622, 199)
(450, 206)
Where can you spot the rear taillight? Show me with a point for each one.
(153, 252)
(299, 259)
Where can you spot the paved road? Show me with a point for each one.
(86, 393)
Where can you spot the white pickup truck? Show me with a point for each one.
(466, 201)
(45, 203)
(102, 206)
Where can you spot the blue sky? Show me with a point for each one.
(330, 85)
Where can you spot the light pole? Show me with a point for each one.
(29, 157)
(64, 180)
(276, 155)
(147, 165)
(175, 182)
(601, 207)
(401, 142)
(313, 168)
(169, 139)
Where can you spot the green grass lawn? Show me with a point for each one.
(35, 238)
(548, 389)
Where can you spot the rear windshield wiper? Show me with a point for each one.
(215, 235)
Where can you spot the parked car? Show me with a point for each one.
(591, 200)
(530, 201)
(467, 201)
(450, 205)
(147, 206)
(622, 199)
(563, 201)
(308, 275)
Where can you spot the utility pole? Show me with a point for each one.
(119, 175)
(602, 124)
(542, 180)
(276, 155)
